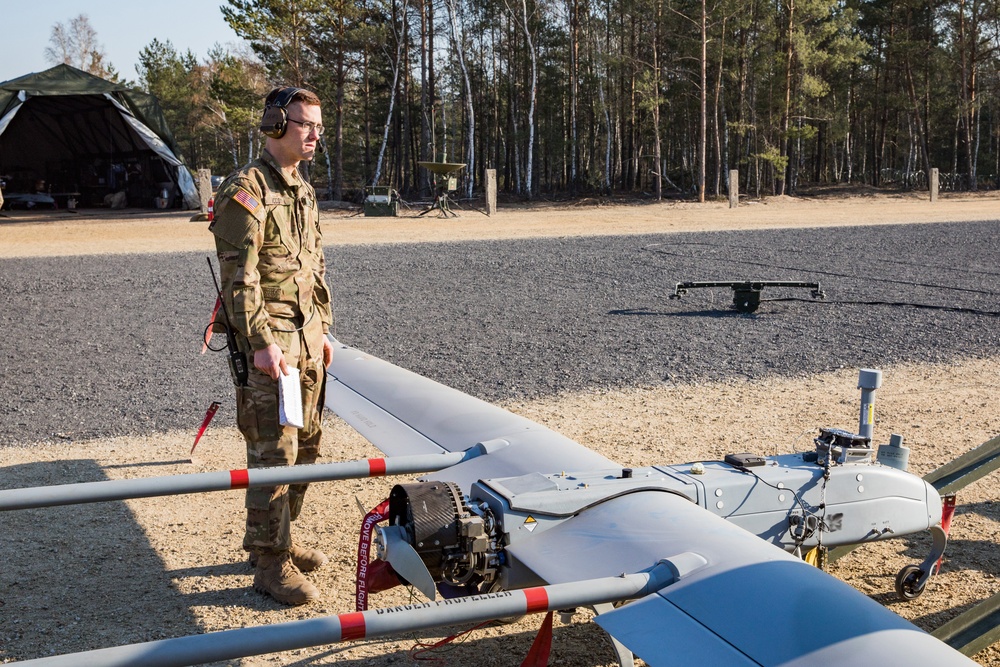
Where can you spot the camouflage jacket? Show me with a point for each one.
(270, 251)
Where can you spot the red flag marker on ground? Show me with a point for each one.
(212, 409)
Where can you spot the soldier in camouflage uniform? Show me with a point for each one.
(270, 253)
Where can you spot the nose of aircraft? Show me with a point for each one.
(934, 505)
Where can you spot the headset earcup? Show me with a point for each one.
(274, 122)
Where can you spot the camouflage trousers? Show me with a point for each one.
(270, 510)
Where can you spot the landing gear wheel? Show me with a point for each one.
(906, 582)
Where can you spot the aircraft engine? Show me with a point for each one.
(454, 536)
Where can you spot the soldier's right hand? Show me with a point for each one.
(270, 360)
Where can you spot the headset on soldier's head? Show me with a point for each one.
(274, 122)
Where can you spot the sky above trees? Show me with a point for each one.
(122, 29)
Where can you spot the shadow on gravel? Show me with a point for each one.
(75, 576)
(218, 569)
(989, 509)
(714, 313)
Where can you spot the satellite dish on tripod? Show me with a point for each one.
(445, 181)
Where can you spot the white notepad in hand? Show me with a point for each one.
(290, 399)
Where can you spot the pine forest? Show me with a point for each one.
(650, 98)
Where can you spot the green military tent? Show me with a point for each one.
(88, 138)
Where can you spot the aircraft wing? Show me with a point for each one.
(736, 599)
(402, 413)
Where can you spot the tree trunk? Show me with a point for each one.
(703, 101)
(531, 100)
(397, 64)
(574, 83)
(426, 101)
(470, 153)
(338, 130)
(918, 121)
(719, 167)
(787, 112)
(657, 166)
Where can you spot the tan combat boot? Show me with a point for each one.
(278, 577)
(305, 558)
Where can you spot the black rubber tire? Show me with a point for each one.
(906, 581)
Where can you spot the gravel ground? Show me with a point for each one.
(103, 380)
(86, 577)
(503, 319)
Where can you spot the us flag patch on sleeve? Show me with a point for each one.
(246, 200)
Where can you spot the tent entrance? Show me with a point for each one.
(80, 146)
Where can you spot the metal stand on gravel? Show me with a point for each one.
(746, 293)
(445, 181)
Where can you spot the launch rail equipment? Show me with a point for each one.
(746, 293)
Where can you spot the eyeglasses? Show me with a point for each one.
(310, 126)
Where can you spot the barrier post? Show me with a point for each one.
(204, 184)
(491, 192)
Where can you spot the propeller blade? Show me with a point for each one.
(405, 560)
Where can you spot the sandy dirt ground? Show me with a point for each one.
(94, 231)
(101, 575)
